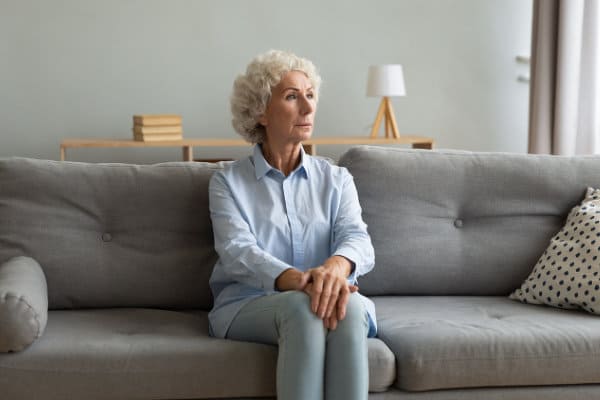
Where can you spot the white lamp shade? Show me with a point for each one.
(385, 80)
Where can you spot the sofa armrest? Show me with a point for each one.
(23, 303)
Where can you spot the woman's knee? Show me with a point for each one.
(294, 306)
(356, 314)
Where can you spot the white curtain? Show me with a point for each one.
(564, 112)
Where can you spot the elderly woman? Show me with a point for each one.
(291, 240)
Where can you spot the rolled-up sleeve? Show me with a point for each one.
(350, 236)
(241, 257)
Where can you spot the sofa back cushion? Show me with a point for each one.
(450, 222)
(111, 235)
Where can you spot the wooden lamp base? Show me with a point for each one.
(391, 128)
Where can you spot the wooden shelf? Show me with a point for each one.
(187, 145)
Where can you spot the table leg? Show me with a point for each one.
(188, 153)
(388, 128)
(63, 153)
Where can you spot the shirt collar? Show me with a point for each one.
(262, 167)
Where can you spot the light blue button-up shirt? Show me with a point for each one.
(265, 223)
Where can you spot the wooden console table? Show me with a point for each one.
(187, 145)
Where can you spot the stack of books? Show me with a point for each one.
(157, 127)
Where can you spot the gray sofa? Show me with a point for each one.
(104, 281)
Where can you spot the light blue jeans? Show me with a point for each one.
(313, 362)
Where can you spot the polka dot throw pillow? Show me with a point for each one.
(567, 275)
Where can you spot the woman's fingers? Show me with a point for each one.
(328, 296)
(317, 289)
(337, 292)
(304, 280)
(308, 289)
(342, 303)
(326, 288)
(338, 313)
(333, 322)
(330, 322)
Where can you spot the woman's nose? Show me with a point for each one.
(307, 105)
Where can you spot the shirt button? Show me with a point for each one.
(458, 223)
(106, 237)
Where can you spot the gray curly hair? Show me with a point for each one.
(252, 91)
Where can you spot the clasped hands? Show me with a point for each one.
(326, 285)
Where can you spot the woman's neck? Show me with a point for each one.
(285, 158)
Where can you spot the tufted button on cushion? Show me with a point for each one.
(107, 237)
(458, 223)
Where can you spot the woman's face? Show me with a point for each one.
(291, 110)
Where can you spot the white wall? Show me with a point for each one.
(82, 68)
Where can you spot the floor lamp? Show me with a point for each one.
(385, 81)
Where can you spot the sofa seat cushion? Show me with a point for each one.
(445, 342)
(148, 353)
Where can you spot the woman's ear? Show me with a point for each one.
(262, 120)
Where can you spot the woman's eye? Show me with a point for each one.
(310, 95)
(290, 97)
